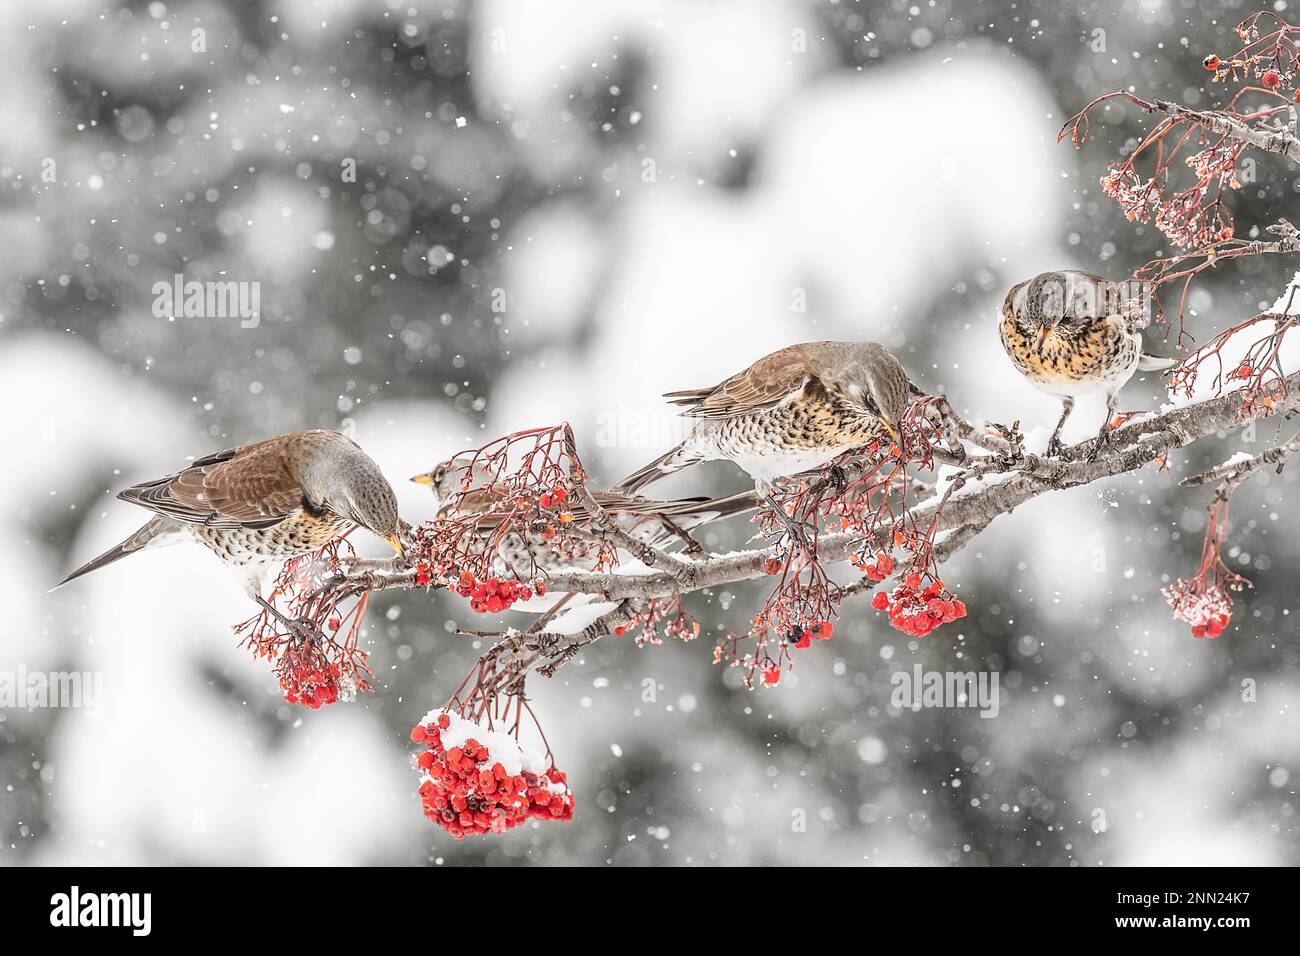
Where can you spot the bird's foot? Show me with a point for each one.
(794, 530)
(1054, 446)
(838, 476)
(1098, 446)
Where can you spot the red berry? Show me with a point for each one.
(1211, 62)
(1271, 80)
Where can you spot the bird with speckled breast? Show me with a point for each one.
(791, 411)
(1072, 333)
(462, 487)
(257, 505)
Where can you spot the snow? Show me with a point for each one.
(574, 620)
(900, 186)
(502, 748)
(1236, 346)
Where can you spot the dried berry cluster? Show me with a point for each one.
(1269, 54)
(665, 617)
(1195, 215)
(475, 780)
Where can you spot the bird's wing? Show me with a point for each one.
(767, 383)
(247, 487)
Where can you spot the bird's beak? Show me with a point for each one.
(897, 435)
(395, 543)
(1042, 338)
(425, 479)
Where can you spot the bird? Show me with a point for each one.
(1072, 333)
(791, 411)
(462, 486)
(256, 505)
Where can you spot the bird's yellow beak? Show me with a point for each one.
(395, 543)
(1042, 337)
(425, 479)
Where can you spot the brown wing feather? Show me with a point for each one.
(765, 384)
(248, 487)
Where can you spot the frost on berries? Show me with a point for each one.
(1204, 602)
(319, 662)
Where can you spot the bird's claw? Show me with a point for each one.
(838, 475)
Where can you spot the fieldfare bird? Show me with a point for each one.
(257, 505)
(789, 412)
(1072, 333)
(457, 492)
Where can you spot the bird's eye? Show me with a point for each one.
(439, 474)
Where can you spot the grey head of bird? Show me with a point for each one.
(1041, 306)
(455, 480)
(872, 379)
(346, 481)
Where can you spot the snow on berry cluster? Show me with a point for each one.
(476, 780)
(917, 610)
(1205, 607)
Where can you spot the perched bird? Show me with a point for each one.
(256, 505)
(789, 412)
(462, 489)
(1072, 333)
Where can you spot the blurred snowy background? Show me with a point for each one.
(559, 211)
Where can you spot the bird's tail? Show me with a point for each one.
(669, 463)
(659, 522)
(1154, 363)
(141, 539)
(691, 514)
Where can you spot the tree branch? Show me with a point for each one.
(1001, 490)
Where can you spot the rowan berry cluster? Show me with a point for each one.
(474, 780)
(494, 595)
(310, 680)
(918, 609)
